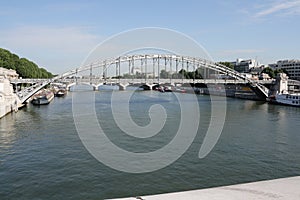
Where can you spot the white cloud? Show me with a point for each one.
(283, 7)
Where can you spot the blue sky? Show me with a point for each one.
(58, 35)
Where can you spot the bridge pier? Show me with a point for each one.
(146, 86)
(198, 66)
(122, 87)
(69, 86)
(98, 85)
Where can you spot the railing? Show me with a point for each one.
(151, 80)
(19, 81)
(28, 92)
(179, 62)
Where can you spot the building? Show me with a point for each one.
(245, 66)
(8, 99)
(264, 76)
(8, 73)
(292, 67)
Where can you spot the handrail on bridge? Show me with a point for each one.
(199, 62)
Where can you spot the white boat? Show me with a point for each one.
(286, 99)
(60, 93)
(168, 89)
(43, 98)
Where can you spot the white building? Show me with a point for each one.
(8, 73)
(291, 66)
(8, 100)
(245, 66)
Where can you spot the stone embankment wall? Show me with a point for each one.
(9, 101)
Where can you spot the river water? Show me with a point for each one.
(42, 156)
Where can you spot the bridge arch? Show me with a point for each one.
(146, 69)
(155, 63)
(69, 86)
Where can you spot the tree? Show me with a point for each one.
(164, 74)
(198, 74)
(277, 71)
(269, 71)
(183, 73)
(24, 67)
(128, 76)
(190, 75)
(227, 64)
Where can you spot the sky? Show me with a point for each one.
(58, 35)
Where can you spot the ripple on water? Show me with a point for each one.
(42, 157)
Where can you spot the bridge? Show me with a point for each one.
(148, 70)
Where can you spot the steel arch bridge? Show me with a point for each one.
(148, 67)
(174, 63)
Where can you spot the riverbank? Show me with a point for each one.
(284, 189)
(240, 91)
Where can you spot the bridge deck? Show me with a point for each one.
(172, 64)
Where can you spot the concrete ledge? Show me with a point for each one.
(285, 188)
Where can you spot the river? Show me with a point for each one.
(42, 156)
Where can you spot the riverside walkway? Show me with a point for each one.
(279, 189)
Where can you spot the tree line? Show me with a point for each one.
(25, 68)
(273, 73)
(197, 74)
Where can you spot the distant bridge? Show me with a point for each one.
(123, 83)
(146, 70)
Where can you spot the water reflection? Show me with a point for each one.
(42, 155)
(251, 105)
(282, 119)
(7, 131)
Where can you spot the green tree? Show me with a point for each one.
(24, 67)
(183, 73)
(197, 74)
(227, 64)
(128, 76)
(269, 71)
(277, 71)
(164, 74)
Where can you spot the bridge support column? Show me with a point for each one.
(122, 87)
(147, 86)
